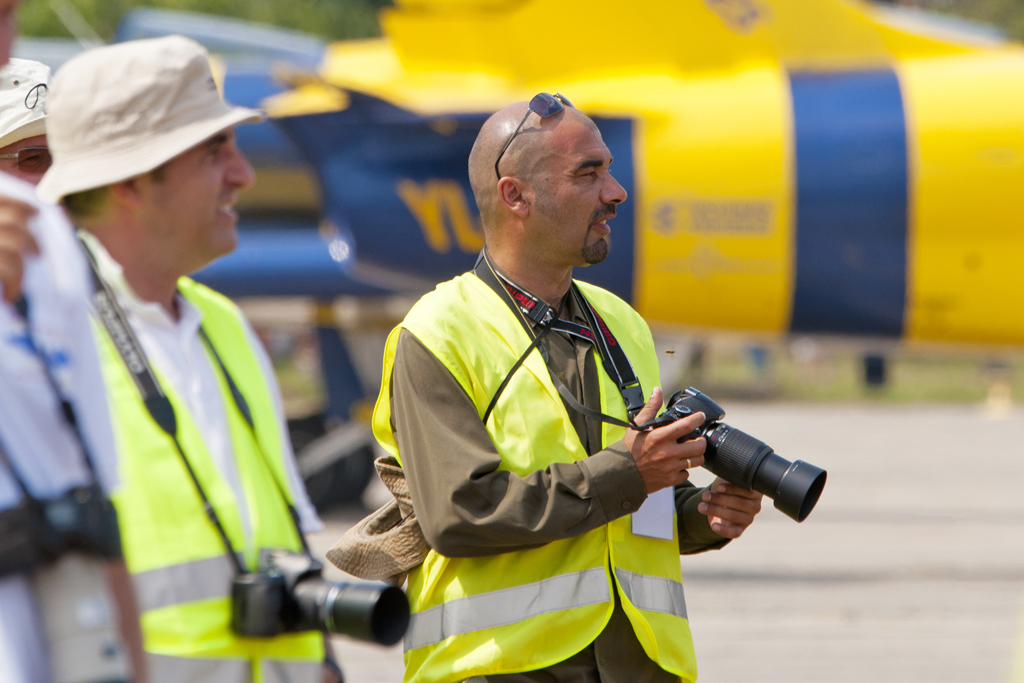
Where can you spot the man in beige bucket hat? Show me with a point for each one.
(146, 164)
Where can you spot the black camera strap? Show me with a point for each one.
(22, 486)
(615, 361)
(530, 310)
(30, 535)
(160, 408)
(67, 408)
(243, 408)
(24, 535)
(115, 322)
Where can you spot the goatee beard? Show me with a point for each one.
(596, 252)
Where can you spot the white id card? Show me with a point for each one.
(654, 518)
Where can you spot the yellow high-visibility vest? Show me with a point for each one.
(177, 560)
(526, 610)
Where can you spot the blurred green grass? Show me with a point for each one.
(1007, 15)
(817, 373)
(799, 370)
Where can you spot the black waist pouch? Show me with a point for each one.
(82, 520)
(35, 532)
(23, 537)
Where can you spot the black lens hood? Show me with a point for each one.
(799, 489)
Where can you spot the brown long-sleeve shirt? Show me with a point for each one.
(467, 507)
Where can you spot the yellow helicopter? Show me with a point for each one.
(818, 166)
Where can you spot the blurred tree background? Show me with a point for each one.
(332, 19)
(1006, 15)
(338, 19)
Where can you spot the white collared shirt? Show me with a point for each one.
(35, 435)
(175, 349)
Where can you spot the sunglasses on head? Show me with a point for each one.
(31, 159)
(543, 105)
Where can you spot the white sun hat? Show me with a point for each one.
(119, 111)
(23, 88)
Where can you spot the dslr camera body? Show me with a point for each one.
(37, 532)
(63, 544)
(289, 594)
(744, 460)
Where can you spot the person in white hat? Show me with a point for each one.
(48, 357)
(23, 88)
(145, 163)
(16, 240)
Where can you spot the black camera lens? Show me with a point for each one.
(745, 461)
(289, 595)
(751, 463)
(366, 611)
(794, 486)
(734, 455)
(370, 612)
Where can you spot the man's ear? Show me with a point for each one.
(127, 193)
(515, 195)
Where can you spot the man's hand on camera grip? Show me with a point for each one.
(661, 460)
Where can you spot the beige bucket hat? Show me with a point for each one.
(24, 85)
(388, 543)
(119, 111)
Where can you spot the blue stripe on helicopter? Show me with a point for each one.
(366, 152)
(851, 214)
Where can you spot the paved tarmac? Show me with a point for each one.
(911, 569)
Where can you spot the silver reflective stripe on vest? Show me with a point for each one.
(186, 582)
(652, 593)
(275, 671)
(508, 606)
(164, 669)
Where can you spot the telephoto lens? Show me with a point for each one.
(751, 463)
(367, 611)
(289, 594)
(746, 461)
